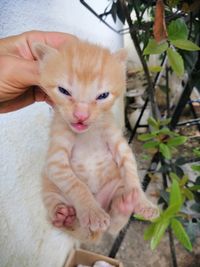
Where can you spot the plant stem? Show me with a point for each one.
(135, 40)
(172, 248)
(171, 238)
(167, 92)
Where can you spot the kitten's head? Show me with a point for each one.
(83, 80)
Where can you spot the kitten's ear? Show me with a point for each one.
(41, 50)
(121, 55)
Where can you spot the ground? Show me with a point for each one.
(135, 252)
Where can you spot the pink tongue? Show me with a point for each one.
(79, 126)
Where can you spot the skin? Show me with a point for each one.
(19, 74)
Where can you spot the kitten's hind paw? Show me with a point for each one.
(64, 216)
(136, 202)
(95, 218)
(148, 211)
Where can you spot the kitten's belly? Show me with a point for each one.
(94, 165)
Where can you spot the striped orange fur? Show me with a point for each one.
(90, 180)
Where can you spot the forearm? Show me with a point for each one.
(124, 158)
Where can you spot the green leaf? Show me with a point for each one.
(114, 11)
(153, 123)
(155, 68)
(177, 29)
(183, 180)
(188, 194)
(185, 45)
(191, 230)
(196, 168)
(154, 48)
(165, 151)
(165, 130)
(177, 141)
(139, 217)
(176, 61)
(195, 188)
(165, 122)
(174, 176)
(171, 211)
(196, 151)
(120, 12)
(151, 144)
(173, 3)
(175, 195)
(149, 231)
(145, 157)
(158, 233)
(197, 182)
(145, 137)
(181, 234)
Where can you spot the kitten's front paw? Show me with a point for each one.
(94, 218)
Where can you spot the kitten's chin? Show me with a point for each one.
(79, 127)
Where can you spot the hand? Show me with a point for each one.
(19, 77)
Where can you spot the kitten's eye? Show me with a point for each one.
(63, 91)
(103, 96)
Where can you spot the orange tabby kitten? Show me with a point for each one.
(90, 181)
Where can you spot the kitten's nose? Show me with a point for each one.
(81, 112)
(81, 116)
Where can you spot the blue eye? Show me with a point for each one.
(63, 91)
(103, 96)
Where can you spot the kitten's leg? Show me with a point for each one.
(60, 212)
(88, 211)
(106, 197)
(120, 204)
(133, 198)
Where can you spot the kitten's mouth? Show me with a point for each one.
(79, 126)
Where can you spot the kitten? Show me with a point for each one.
(90, 181)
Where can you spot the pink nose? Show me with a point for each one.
(81, 116)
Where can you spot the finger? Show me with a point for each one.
(19, 102)
(54, 39)
(39, 95)
(17, 75)
(49, 101)
(31, 96)
(20, 45)
(42, 96)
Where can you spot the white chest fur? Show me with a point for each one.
(92, 160)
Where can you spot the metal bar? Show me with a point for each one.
(194, 114)
(118, 241)
(181, 105)
(138, 121)
(156, 80)
(189, 122)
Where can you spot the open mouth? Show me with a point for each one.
(79, 126)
